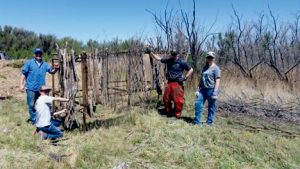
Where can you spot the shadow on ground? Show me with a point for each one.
(107, 123)
(162, 112)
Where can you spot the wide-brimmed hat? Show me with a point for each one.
(45, 89)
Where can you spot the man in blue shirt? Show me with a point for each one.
(34, 73)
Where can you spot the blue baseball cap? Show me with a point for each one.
(37, 50)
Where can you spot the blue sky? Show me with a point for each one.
(107, 19)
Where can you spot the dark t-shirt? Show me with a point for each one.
(175, 68)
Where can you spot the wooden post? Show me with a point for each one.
(96, 77)
(84, 70)
(53, 87)
(107, 79)
(129, 79)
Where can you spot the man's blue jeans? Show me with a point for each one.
(205, 94)
(52, 131)
(32, 96)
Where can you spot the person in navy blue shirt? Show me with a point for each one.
(34, 74)
(174, 90)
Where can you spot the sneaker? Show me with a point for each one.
(209, 125)
(196, 124)
(28, 121)
(178, 115)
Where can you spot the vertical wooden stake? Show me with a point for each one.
(53, 87)
(107, 79)
(84, 70)
(129, 79)
(96, 77)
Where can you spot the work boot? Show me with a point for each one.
(178, 115)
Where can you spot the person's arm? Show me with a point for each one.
(52, 70)
(155, 56)
(188, 74)
(218, 77)
(59, 112)
(216, 88)
(24, 73)
(217, 84)
(188, 68)
(60, 99)
(22, 83)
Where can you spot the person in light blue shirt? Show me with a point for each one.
(34, 74)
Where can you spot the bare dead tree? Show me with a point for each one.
(193, 35)
(235, 42)
(295, 29)
(247, 45)
(272, 51)
(165, 21)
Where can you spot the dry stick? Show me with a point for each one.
(100, 65)
(107, 79)
(247, 125)
(53, 87)
(68, 82)
(84, 70)
(103, 79)
(130, 133)
(96, 78)
(283, 131)
(92, 89)
(258, 128)
(129, 80)
(63, 81)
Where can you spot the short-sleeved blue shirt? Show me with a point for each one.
(35, 74)
(175, 68)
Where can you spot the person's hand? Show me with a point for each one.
(182, 79)
(197, 93)
(214, 95)
(147, 50)
(22, 88)
(56, 66)
(65, 110)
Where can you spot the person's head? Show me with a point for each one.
(44, 90)
(210, 58)
(174, 54)
(38, 54)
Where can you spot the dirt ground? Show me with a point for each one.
(10, 81)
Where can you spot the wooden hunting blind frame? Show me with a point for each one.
(102, 77)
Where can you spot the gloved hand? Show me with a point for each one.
(147, 50)
(181, 80)
(197, 93)
(214, 95)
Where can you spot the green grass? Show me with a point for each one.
(142, 138)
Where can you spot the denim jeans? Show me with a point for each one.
(52, 131)
(32, 96)
(205, 94)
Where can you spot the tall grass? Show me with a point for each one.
(142, 138)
